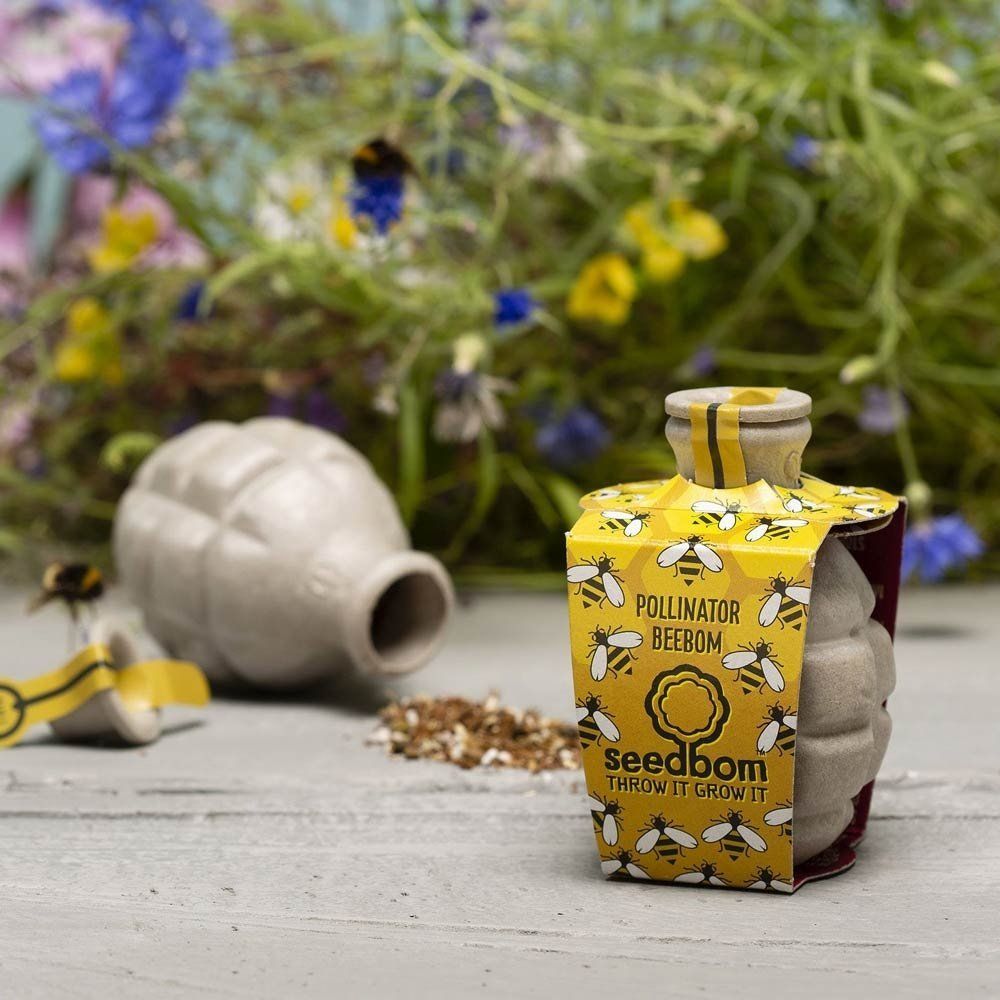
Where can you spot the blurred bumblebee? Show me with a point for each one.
(72, 583)
(380, 158)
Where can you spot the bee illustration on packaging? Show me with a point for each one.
(777, 730)
(774, 527)
(756, 666)
(612, 651)
(606, 819)
(622, 864)
(781, 817)
(734, 836)
(785, 603)
(869, 510)
(629, 522)
(764, 879)
(662, 836)
(597, 582)
(690, 557)
(854, 494)
(795, 504)
(595, 722)
(703, 873)
(723, 514)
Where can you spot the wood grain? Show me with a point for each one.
(260, 849)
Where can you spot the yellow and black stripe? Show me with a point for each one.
(620, 661)
(593, 592)
(715, 437)
(786, 740)
(792, 613)
(668, 850)
(752, 677)
(734, 845)
(588, 731)
(689, 567)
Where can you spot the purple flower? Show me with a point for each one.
(80, 95)
(315, 408)
(83, 107)
(701, 364)
(483, 32)
(935, 546)
(189, 23)
(188, 307)
(575, 437)
(320, 411)
(513, 306)
(803, 153)
(884, 410)
(169, 38)
(280, 404)
(131, 10)
(380, 199)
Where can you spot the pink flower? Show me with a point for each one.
(15, 249)
(39, 45)
(173, 246)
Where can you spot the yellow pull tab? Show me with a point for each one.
(715, 440)
(754, 395)
(155, 683)
(150, 684)
(715, 437)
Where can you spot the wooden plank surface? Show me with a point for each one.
(261, 849)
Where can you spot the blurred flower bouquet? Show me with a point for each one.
(482, 241)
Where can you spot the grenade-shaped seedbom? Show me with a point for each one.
(847, 669)
(270, 553)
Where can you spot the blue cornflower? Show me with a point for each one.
(513, 306)
(884, 410)
(189, 23)
(575, 437)
(83, 107)
(79, 96)
(380, 199)
(189, 305)
(803, 153)
(935, 546)
(169, 38)
(131, 10)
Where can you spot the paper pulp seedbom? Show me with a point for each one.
(730, 631)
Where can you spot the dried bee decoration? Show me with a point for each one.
(476, 734)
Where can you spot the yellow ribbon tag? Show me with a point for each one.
(715, 436)
(754, 395)
(149, 684)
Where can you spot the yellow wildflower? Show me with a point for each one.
(300, 197)
(124, 236)
(341, 226)
(661, 259)
(603, 290)
(91, 347)
(663, 262)
(699, 234)
(343, 230)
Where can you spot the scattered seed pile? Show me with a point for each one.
(476, 734)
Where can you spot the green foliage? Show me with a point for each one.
(870, 260)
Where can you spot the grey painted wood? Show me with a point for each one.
(260, 849)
